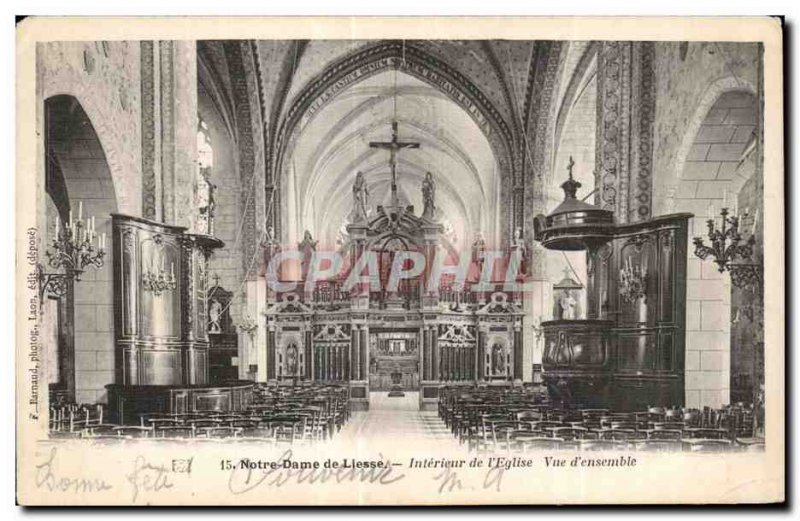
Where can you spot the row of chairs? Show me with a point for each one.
(305, 414)
(524, 419)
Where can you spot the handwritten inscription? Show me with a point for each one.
(147, 477)
(277, 473)
(48, 478)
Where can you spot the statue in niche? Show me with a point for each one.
(566, 298)
(360, 199)
(498, 360)
(569, 305)
(215, 316)
(428, 196)
(269, 236)
(291, 360)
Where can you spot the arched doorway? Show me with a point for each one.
(81, 321)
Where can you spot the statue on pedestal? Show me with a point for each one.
(360, 199)
(215, 316)
(519, 249)
(428, 196)
(478, 247)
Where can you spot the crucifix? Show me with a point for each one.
(393, 147)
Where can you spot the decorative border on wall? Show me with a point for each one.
(245, 144)
(625, 123)
(548, 62)
(167, 101)
(643, 117)
(254, 213)
(148, 131)
(613, 127)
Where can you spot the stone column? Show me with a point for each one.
(430, 296)
(269, 355)
(518, 368)
(169, 130)
(625, 114)
(355, 366)
(307, 348)
(364, 351)
(425, 354)
(481, 356)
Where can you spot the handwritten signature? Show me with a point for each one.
(243, 480)
(449, 480)
(46, 477)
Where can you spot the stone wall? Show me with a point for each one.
(705, 117)
(690, 76)
(227, 262)
(104, 78)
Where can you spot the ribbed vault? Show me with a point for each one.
(334, 145)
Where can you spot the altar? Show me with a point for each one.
(366, 333)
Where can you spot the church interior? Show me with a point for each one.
(619, 183)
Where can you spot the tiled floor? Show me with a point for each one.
(397, 417)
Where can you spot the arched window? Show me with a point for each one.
(205, 152)
(204, 195)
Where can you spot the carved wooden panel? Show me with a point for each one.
(159, 288)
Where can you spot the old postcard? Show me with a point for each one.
(365, 261)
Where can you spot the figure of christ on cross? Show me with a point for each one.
(393, 147)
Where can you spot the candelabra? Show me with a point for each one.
(632, 282)
(728, 247)
(75, 247)
(159, 281)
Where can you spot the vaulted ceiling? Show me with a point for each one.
(314, 173)
(334, 145)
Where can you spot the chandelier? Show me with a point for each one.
(75, 247)
(729, 250)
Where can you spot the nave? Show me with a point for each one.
(209, 294)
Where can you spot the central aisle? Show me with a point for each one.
(397, 418)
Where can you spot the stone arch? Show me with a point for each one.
(127, 186)
(710, 171)
(704, 105)
(75, 154)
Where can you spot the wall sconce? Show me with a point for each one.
(728, 247)
(75, 247)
